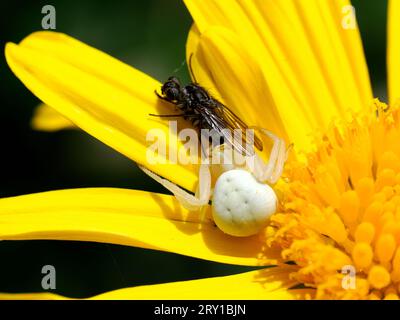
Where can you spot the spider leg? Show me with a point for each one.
(280, 163)
(271, 171)
(187, 200)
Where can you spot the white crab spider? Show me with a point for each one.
(242, 200)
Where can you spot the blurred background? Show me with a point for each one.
(149, 35)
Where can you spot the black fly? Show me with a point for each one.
(206, 112)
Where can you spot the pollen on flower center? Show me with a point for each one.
(343, 209)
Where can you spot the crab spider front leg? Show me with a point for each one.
(272, 171)
(187, 200)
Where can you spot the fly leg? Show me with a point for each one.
(184, 115)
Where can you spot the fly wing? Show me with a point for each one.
(234, 122)
(224, 121)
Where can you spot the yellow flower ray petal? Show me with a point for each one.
(353, 48)
(211, 71)
(271, 283)
(101, 95)
(266, 284)
(126, 217)
(32, 296)
(322, 77)
(337, 49)
(46, 118)
(393, 51)
(244, 91)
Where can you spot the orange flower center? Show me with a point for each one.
(339, 219)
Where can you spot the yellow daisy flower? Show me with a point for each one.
(294, 67)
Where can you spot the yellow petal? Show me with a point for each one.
(46, 118)
(314, 69)
(126, 217)
(269, 283)
(393, 51)
(242, 88)
(266, 284)
(101, 95)
(31, 296)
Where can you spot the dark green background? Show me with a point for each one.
(151, 36)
